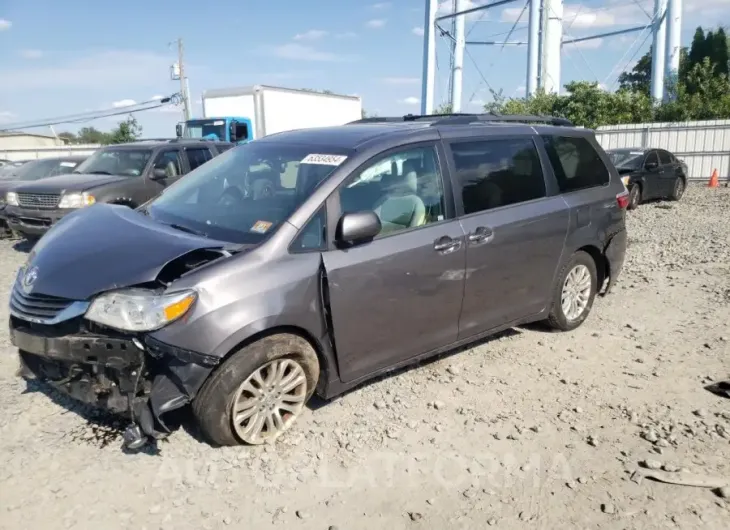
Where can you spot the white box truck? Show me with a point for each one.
(247, 113)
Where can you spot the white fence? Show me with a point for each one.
(703, 145)
(48, 152)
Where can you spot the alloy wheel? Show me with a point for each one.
(269, 401)
(576, 292)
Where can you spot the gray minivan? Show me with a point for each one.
(386, 241)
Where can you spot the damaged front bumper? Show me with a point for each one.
(138, 377)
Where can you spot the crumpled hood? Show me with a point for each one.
(106, 247)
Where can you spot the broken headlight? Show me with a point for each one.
(139, 309)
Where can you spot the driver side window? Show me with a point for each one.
(169, 161)
(651, 158)
(404, 189)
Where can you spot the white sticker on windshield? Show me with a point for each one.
(68, 164)
(325, 160)
(636, 153)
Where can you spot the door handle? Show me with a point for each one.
(446, 245)
(481, 234)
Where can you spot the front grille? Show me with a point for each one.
(38, 200)
(34, 307)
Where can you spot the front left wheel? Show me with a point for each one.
(259, 392)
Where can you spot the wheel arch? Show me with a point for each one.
(602, 265)
(317, 346)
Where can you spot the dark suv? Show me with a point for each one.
(387, 242)
(128, 174)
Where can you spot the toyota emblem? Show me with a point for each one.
(29, 279)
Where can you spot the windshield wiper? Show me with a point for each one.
(186, 229)
(97, 172)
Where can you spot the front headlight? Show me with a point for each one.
(139, 309)
(11, 198)
(76, 200)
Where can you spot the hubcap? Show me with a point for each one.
(269, 401)
(576, 292)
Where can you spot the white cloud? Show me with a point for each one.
(417, 31)
(5, 24)
(579, 16)
(446, 7)
(381, 5)
(7, 116)
(401, 80)
(312, 34)
(585, 44)
(410, 101)
(31, 54)
(376, 23)
(95, 71)
(300, 52)
(156, 97)
(123, 103)
(346, 35)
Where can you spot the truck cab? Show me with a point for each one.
(225, 129)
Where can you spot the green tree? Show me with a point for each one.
(444, 108)
(720, 52)
(68, 137)
(91, 135)
(698, 50)
(127, 131)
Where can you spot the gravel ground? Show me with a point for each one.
(531, 429)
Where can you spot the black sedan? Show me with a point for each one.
(650, 174)
(17, 172)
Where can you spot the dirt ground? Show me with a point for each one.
(528, 430)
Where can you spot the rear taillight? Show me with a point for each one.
(622, 199)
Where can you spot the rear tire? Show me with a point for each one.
(228, 393)
(678, 190)
(574, 292)
(634, 197)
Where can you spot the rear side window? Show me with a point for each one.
(494, 173)
(197, 156)
(576, 163)
(664, 158)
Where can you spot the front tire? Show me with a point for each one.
(259, 392)
(574, 292)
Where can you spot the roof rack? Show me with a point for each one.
(465, 119)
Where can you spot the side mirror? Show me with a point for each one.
(179, 130)
(232, 130)
(357, 227)
(159, 173)
(651, 166)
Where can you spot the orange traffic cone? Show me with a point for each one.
(714, 180)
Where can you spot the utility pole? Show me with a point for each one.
(183, 80)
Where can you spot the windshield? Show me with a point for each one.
(8, 171)
(627, 159)
(244, 195)
(203, 128)
(128, 162)
(38, 169)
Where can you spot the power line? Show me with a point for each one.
(88, 116)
